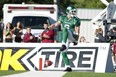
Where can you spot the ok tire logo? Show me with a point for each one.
(27, 58)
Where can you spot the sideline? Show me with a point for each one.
(39, 74)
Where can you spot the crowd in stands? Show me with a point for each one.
(109, 37)
(15, 34)
(11, 30)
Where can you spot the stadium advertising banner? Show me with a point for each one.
(94, 57)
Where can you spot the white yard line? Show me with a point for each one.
(39, 74)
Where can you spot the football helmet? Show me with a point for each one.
(71, 10)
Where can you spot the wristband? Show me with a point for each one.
(55, 24)
(77, 33)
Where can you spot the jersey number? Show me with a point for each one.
(66, 26)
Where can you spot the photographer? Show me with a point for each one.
(111, 35)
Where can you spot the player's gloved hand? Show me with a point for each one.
(76, 36)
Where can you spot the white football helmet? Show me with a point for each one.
(71, 10)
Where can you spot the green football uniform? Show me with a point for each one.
(68, 25)
(68, 28)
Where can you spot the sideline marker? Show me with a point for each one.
(40, 64)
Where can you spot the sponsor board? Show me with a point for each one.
(94, 57)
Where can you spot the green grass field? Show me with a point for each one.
(3, 73)
(69, 74)
(89, 74)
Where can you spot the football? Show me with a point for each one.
(47, 63)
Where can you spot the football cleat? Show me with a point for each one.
(63, 48)
(75, 43)
(114, 68)
(68, 69)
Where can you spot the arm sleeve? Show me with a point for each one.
(77, 22)
(60, 19)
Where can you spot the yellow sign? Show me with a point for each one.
(8, 59)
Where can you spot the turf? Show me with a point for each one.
(69, 74)
(3, 73)
(89, 74)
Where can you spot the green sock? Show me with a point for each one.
(65, 58)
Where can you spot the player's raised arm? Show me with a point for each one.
(55, 25)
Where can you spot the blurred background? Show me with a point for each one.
(62, 4)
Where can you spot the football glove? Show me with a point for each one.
(76, 36)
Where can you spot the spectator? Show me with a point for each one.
(114, 52)
(28, 36)
(110, 14)
(111, 35)
(47, 35)
(99, 38)
(82, 39)
(18, 31)
(8, 32)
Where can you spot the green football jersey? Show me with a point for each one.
(69, 24)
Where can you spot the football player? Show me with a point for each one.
(70, 32)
